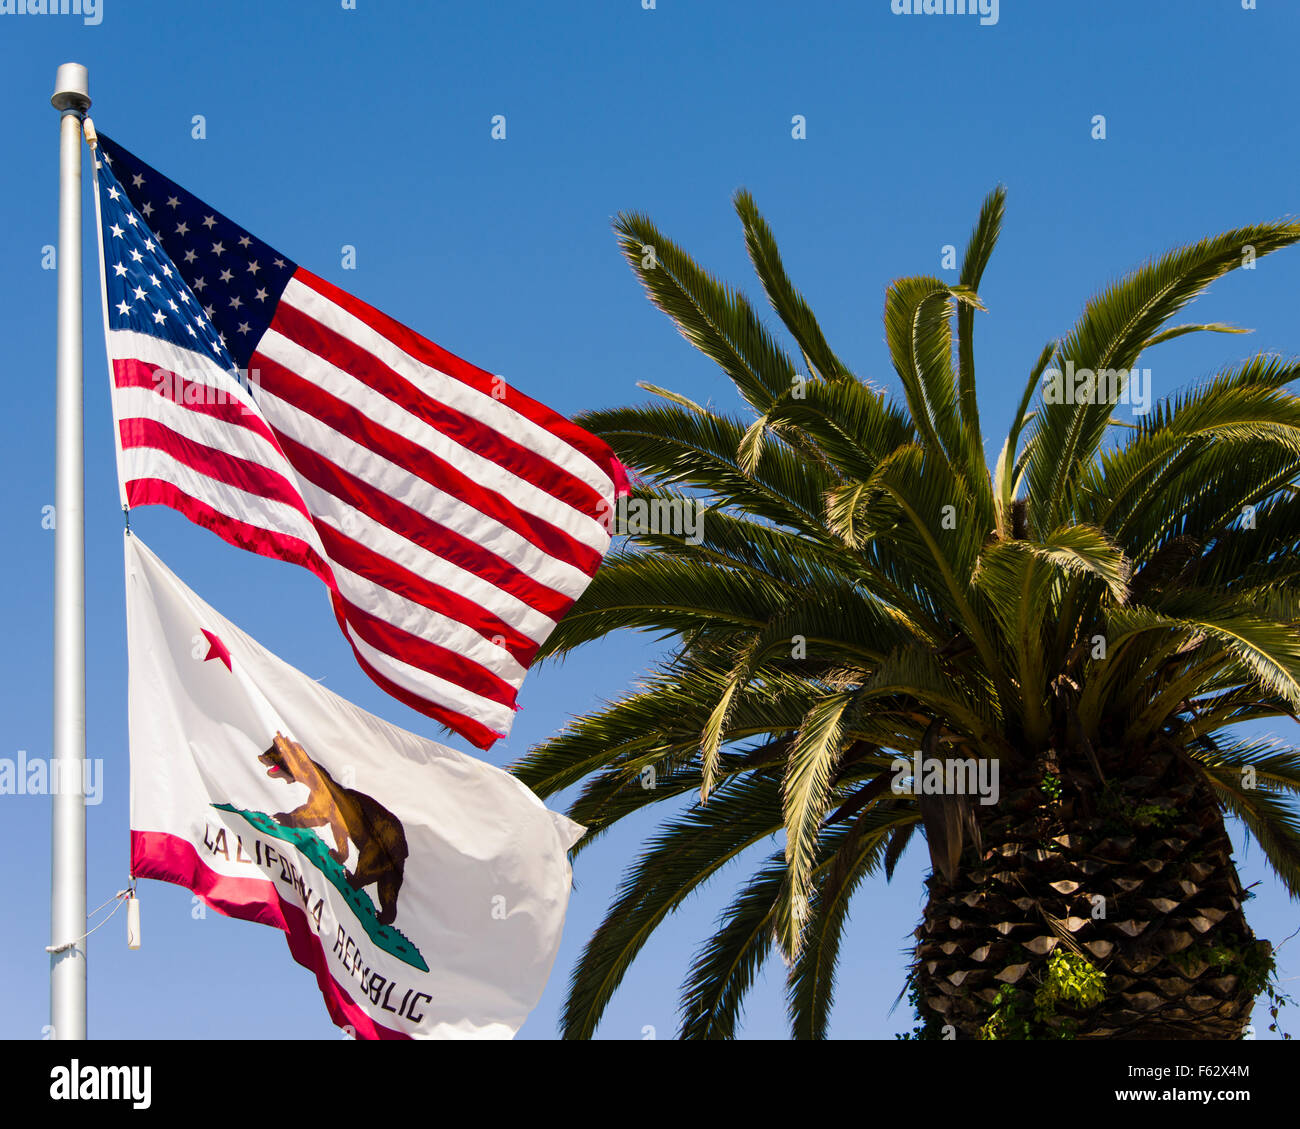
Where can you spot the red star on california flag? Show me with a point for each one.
(217, 649)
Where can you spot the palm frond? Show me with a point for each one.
(675, 862)
(1108, 339)
(711, 315)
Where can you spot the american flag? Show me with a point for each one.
(453, 518)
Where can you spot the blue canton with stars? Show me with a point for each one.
(178, 269)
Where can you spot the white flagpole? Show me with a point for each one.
(68, 892)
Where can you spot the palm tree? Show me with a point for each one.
(1093, 619)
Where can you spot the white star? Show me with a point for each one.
(136, 256)
(109, 160)
(117, 231)
(154, 279)
(113, 193)
(226, 276)
(148, 244)
(167, 271)
(209, 222)
(207, 310)
(147, 210)
(159, 317)
(119, 268)
(175, 308)
(244, 241)
(253, 268)
(278, 262)
(190, 256)
(124, 307)
(130, 218)
(260, 295)
(244, 327)
(185, 297)
(172, 202)
(218, 249)
(182, 229)
(139, 292)
(137, 180)
(191, 329)
(235, 302)
(199, 284)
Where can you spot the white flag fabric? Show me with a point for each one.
(424, 888)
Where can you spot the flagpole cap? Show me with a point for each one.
(71, 88)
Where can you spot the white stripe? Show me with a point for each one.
(360, 527)
(385, 412)
(239, 505)
(417, 620)
(379, 474)
(434, 689)
(456, 393)
(127, 344)
(141, 403)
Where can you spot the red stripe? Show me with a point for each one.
(233, 470)
(264, 542)
(426, 352)
(169, 858)
(468, 432)
(421, 530)
(281, 546)
(429, 657)
(389, 575)
(422, 463)
(189, 394)
(622, 486)
(473, 730)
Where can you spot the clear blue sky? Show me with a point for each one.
(371, 127)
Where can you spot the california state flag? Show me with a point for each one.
(425, 889)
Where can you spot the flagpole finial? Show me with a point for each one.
(71, 88)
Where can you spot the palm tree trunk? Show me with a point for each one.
(1094, 911)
